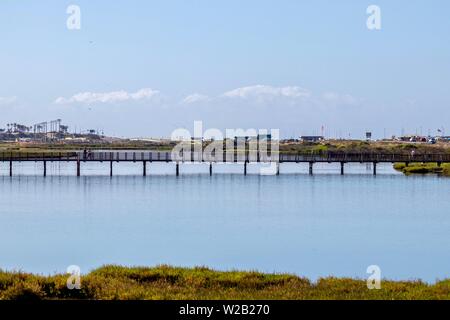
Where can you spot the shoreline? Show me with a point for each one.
(423, 169)
(164, 282)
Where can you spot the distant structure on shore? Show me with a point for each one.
(49, 131)
(312, 138)
(55, 131)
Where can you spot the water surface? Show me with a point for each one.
(312, 226)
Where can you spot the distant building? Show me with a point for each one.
(413, 139)
(63, 129)
(264, 137)
(23, 140)
(312, 138)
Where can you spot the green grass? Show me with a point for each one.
(423, 168)
(164, 282)
(353, 146)
(350, 146)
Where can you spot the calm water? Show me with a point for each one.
(312, 226)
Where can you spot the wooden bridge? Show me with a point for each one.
(226, 157)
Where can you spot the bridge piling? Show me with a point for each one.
(310, 159)
(144, 168)
(110, 168)
(177, 169)
(78, 167)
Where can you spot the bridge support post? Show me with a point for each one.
(278, 168)
(177, 169)
(439, 164)
(45, 168)
(78, 168)
(10, 168)
(342, 168)
(406, 164)
(210, 168)
(374, 168)
(311, 168)
(245, 168)
(144, 168)
(110, 168)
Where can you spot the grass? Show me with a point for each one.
(353, 146)
(423, 168)
(350, 146)
(170, 283)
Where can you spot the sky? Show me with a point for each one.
(147, 68)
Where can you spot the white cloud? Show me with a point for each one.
(194, 98)
(7, 100)
(109, 97)
(337, 98)
(269, 92)
(285, 98)
(255, 96)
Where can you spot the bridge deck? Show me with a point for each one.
(160, 156)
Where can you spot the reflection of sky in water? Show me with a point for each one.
(313, 226)
(162, 168)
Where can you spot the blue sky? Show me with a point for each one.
(145, 68)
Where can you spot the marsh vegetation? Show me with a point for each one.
(165, 282)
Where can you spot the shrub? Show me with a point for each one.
(21, 290)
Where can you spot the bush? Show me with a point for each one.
(28, 291)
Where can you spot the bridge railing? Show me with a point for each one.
(364, 157)
(242, 156)
(236, 156)
(37, 156)
(166, 156)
